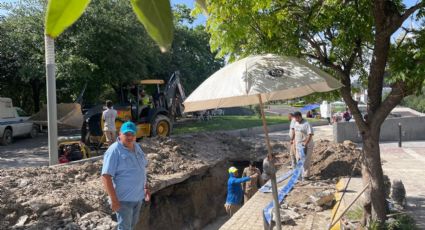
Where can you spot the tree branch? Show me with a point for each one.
(315, 46)
(411, 10)
(320, 56)
(398, 92)
(257, 29)
(351, 103)
(356, 52)
(396, 19)
(329, 34)
(345, 80)
(402, 39)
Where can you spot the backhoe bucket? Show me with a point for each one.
(69, 115)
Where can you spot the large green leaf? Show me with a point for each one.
(63, 13)
(157, 18)
(203, 5)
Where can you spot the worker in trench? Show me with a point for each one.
(234, 191)
(251, 187)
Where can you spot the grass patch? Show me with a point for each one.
(401, 222)
(223, 123)
(355, 214)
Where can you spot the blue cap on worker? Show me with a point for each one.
(128, 127)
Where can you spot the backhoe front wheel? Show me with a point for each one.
(161, 126)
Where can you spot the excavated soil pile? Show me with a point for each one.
(60, 197)
(71, 197)
(331, 160)
(168, 156)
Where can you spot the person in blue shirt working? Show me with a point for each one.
(124, 177)
(234, 191)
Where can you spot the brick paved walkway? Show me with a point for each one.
(408, 164)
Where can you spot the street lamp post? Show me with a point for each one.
(51, 100)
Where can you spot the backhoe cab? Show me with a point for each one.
(153, 118)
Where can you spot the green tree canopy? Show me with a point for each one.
(106, 49)
(22, 54)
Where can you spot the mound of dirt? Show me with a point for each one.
(331, 160)
(168, 156)
(57, 197)
(72, 196)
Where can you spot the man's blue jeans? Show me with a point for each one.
(128, 215)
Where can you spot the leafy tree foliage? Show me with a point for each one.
(416, 102)
(345, 38)
(106, 50)
(22, 55)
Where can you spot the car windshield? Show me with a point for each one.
(21, 112)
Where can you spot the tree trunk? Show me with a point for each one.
(35, 87)
(367, 202)
(372, 162)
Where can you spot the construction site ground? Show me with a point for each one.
(399, 163)
(250, 216)
(72, 197)
(324, 174)
(405, 163)
(192, 154)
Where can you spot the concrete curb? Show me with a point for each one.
(339, 187)
(272, 128)
(82, 161)
(353, 188)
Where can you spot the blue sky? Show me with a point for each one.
(190, 3)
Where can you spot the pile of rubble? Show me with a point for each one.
(53, 198)
(72, 196)
(332, 160)
(168, 156)
(329, 162)
(307, 198)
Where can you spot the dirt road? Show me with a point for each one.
(29, 152)
(25, 152)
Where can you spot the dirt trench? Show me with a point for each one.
(190, 204)
(187, 174)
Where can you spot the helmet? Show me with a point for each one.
(233, 169)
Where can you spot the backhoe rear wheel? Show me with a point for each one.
(161, 126)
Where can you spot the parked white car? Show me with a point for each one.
(12, 124)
